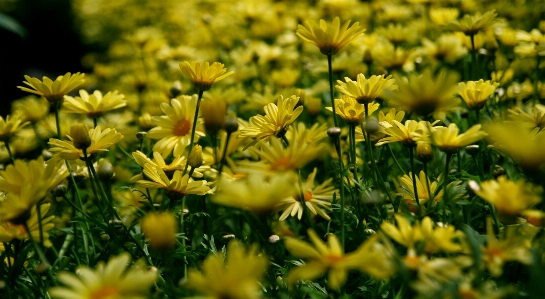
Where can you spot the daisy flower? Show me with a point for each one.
(178, 163)
(329, 38)
(204, 75)
(112, 280)
(365, 90)
(275, 122)
(472, 24)
(31, 108)
(95, 104)
(176, 187)
(160, 229)
(235, 275)
(53, 91)
(317, 199)
(100, 141)
(10, 231)
(476, 93)
(174, 128)
(10, 125)
(351, 111)
(448, 140)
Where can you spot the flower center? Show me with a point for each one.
(182, 127)
(281, 164)
(308, 195)
(104, 292)
(333, 258)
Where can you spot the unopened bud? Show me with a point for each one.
(47, 154)
(424, 152)
(141, 135)
(499, 171)
(334, 132)
(176, 89)
(230, 125)
(105, 169)
(60, 190)
(472, 149)
(371, 126)
(145, 121)
(195, 159)
(160, 229)
(274, 238)
(80, 136)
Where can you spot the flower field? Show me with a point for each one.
(282, 149)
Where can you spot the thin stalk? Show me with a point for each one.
(536, 78)
(331, 89)
(95, 121)
(306, 211)
(57, 120)
(445, 195)
(430, 197)
(194, 126)
(352, 143)
(339, 154)
(38, 251)
(183, 239)
(224, 154)
(474, 72)
(411, 158)
(40, 226)
(6, 143)
(395, 159)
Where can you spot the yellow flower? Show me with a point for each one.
(407, 133)
(213, 112)
(95, 104)
(510, 198)
(111, 280)
(275, 122)
(317, 198)
(425, 94)
(101, 140)
(178, 163)
(447, 48)
(535, 118)
(329, 38)
(404, 233)
(10, 231)
(442, 15)
(406, 188)
(365, 90)
(204, 75)
(472, 24)
(160, 229)
(234, 276)
(174, 128)
(10, 125)
(440, 238)
(31, 108)
(25, 184)
(371, 258)
(448, 140)
(476, 93)
(258, 192)
(53, 91)
(176, 187)
(351, 111)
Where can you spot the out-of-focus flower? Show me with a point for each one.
(111, 280)
(440, 238)
(329, 38)
(404, 234)
(449, 140)
(31, 108)
(476, 93)
(174, 128)
(204, 75)
(213, 112)
(534, 118)
(365, 90)
(42, 226)
(447, 48)
(235, 275)
(275, 122)
(371, 258)
(160, 229)
(10, 125)
(509, 197)
(53, 91)
(425, 93)
(317, 199)
(472, 24)
(258, 192)
(443, 15)
(24, 184)
(95, 104)
(101, 140)
(406, 188)
(351, 111)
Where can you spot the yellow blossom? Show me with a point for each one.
(329, 38)
(404, 234)
(95, 104)
(176, 187)
(472, 24)
(53, 91)
(101, 140)
(449, 140)
(204, 75)
(160, 229)
(10, 125)
(351, 111)
(365, 90)
(476, 93)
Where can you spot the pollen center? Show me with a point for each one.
(281, 164)
(308, 195)
(104, 293)
(182, 127)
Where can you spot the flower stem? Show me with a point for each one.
(430, 197)
(224, 154)
(6, 143)
(352, 143)
(536, 78)
(38, 251)
(341, 174)
(474, 72)
(306, 211)
(445, 182)
(57, 119)
(285, 139)
(331, 89)
(395, 159)
(194, 127)
(411, 158)
(183, 239)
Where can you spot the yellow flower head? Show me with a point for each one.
(101, 140)
(258, 193)
(32, 108)
(371, 257)
(442, 15)
(275, 122)
(530, 116)
(53, 91)
(25, 184)
(425, 94)
(10, 125)
(472, 24)
(174, 128)
(351, 111)
(111, 280)
(317, 199)
(204, 75)
(213, 111)
(176, 187)
(38, 226)
(408, 134)
(160, 229)
(235, 275)
(329, 38)
(509, 197)
(404, 233)
(440, 238)
(476, 93)
(406, 188)
(365, 90)
(95, 104)
(448, 140)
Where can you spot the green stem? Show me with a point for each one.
(57, 119)
(95, 121)
(39, 252)
(306, 211)
(411, 158)
(474, 72)
(536, 79)
(430, 197)
(285, 139)
(395, 159)
(40, 226)
(224, 154)
(183, 239)
(194, 126)
(331, 89)
(341, 166)
(352, 143)
(6, 143)
(445, 182)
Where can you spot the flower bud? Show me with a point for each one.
(145, 121)
(472, 149)
(176, 89)
(160, 229)
(313, 105)
(213, 112)
(301, 94)
(230, 125)
(424, 152)
(195, 159)
(371, 126)
(60, 190)
(141, 135)
(105, 170)
(334, 132)
(80, 136)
